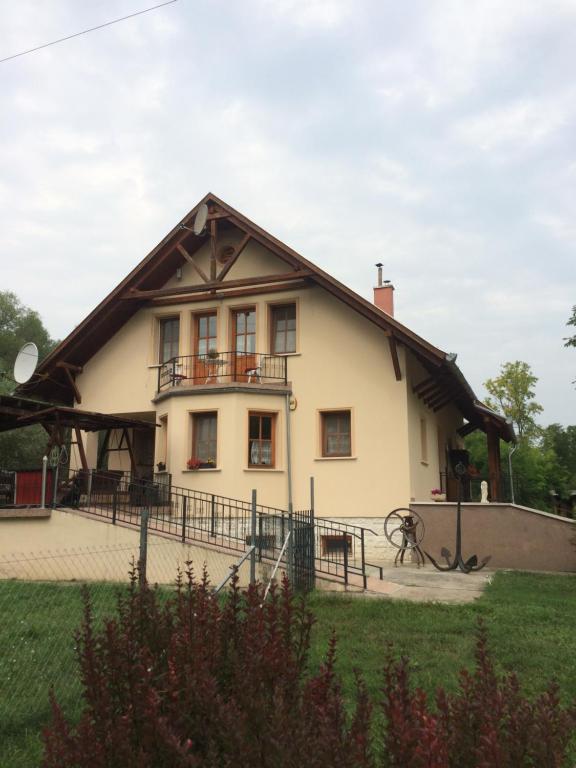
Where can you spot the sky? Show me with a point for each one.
(435, 136)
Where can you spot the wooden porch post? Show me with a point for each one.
(126, 436)
(81, 450)
(493, 444)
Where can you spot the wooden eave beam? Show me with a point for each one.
(191, 261)
(431, 390)
(445, 394)
(215, 296)
(423, 384)
(181, 290)
(237, 251)
(395, 359)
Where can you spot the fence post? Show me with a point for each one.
(312, 534)
(364, 578)
(114, 503)
(253, 539)
(55, 482)
(142, 561)
(89, 489)
(212, 516)
(345, 541)
(260, 521)
(44, 474)
(184, 499)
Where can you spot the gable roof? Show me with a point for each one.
(53, 378)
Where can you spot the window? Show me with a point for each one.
(169, 338)
(283, 329)
(204, 439)
(206, 333)
(244, 329)
(336, 433)
(261, 439)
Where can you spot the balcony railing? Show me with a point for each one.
(222, 368)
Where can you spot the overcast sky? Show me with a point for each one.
(436, 137)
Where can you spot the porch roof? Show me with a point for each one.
(16, 412)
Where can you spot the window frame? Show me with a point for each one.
(273, 427)
(324, 415)
(161, 325)
(272, 309)
(234, 314)
(196, 338)
(195, 416)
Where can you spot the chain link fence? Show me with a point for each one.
(40, 610)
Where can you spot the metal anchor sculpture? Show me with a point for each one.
(472, 563)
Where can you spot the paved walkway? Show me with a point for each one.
(425, 585)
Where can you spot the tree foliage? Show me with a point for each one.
(545, 457)
(570, 341)
(512, 393)
(21, 448)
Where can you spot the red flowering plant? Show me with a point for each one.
(194, 463)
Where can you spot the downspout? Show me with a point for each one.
(510, 452)
(290, 553)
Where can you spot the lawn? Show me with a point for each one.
(531, 621)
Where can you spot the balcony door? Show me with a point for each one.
(244, 340)
(206, 364)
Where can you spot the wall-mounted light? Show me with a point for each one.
(178, 273)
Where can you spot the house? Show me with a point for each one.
(261, 370)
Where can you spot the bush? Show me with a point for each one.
(192, 681)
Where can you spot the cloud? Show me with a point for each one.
(310, 14)
(516, 127)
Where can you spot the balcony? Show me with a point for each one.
(221, 368)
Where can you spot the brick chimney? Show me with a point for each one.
(384, 294)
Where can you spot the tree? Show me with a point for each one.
(570, 341)
(513, 395)
(18, 324)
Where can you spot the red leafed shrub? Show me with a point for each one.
(487, 723)
(192, 681)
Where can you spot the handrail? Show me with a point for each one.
(234, 569)
(276, 567)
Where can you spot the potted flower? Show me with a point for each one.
(161, 466)
(212, 354)
(194, 463)
(437, 494)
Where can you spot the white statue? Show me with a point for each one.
(483, 492)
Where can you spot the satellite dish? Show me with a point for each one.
(26, 362)
(200, 219)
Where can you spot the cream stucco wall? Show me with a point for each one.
(342, 362)
(440, 432)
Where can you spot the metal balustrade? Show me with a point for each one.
(222, 368)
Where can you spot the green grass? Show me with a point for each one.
(531, 621)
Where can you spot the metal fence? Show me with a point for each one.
(331, 548)
(41, 607)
